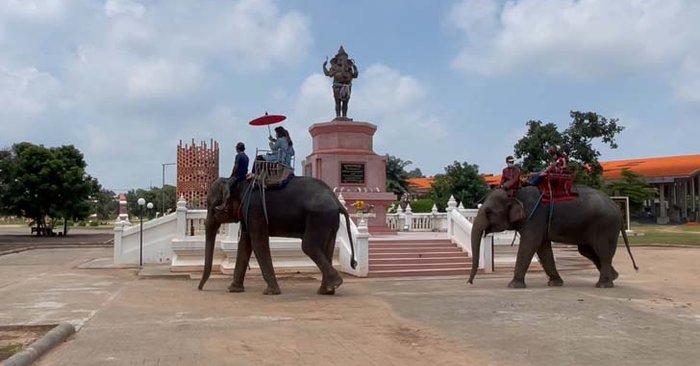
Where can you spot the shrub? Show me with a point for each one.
(94, 223)
(422, 205)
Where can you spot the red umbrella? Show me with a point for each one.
(267, 120)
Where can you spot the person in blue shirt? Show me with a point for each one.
(238, 174)
(282, 148)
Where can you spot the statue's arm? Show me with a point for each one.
(325, 70)
(355, 72)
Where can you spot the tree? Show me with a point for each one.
(105, 205)
(153, 195)
(577, 141)
(461, 180)
(415, 173)
(633, 186)
(40, 182)
(396, 175)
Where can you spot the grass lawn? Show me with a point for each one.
(665, 235)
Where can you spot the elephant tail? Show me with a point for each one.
(344, 211)
(627, 244)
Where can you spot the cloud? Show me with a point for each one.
(395, 102)
(122, 79)
(575, 39)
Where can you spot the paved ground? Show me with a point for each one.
(651, 318)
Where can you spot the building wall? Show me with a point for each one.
(197, 167)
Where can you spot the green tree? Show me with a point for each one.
(633, 186)
(461, 180)
(40, 182)
(577, 141)
(105, 205)
(415, 173)
(153, 195)
(396, 175)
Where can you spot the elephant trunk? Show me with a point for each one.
(211, 228)
(478, 229)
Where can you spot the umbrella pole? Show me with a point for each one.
(269, 131)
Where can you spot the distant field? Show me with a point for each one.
(665, 235)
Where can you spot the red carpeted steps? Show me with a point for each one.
(416, 257)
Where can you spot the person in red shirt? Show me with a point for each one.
(510, 177)
(560, 161)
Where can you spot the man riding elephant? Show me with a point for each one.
(342, 70)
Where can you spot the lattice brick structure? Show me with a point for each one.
(197, 167)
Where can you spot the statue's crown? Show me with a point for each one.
(341, 51)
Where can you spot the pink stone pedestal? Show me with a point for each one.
(344, 158)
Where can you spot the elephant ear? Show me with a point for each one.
(516, 212)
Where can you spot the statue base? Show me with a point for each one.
(344, 158)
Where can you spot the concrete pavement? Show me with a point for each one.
(652, 317)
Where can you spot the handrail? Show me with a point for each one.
(360, 240)
(459, 229)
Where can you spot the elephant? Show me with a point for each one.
(305, 208)
(592, 221)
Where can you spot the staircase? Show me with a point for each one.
(404, 257)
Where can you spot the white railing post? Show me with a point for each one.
(181, 213)
(362, 248)
(486, 253)
(407, 226)
(451, 206)
(451, 203)
(118, 233)
(433, 219)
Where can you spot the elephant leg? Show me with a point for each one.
(242, 261)
(526, 250)
(315, 245)
(547, 260)
(588, 252)
(329, 249)
(261, 247)
(607, 272)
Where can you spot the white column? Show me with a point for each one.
(684, 199)
(118, 232)
(362, 249)
(451, 203)
(409, 218)
(662, 218)
(181, 213)
(486, 254)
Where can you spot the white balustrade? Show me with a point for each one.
(460, 233)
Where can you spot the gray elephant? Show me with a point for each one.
(592, 221)
(305, 208)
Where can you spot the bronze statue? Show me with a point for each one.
(342, 70)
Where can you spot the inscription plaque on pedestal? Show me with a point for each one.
(352, 173)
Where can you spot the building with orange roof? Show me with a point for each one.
(675, 178)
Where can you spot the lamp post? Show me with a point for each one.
(162, 188)
(141, 203)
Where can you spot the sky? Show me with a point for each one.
(126, 80)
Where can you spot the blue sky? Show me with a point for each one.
(125, 80)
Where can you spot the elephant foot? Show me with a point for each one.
(272, 291)
(555, 282)
(608, 284)
(516, 284)
(323, 290)
(615, 275)
(236, 288)
(330, 286)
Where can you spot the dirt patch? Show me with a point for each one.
(15, 338)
